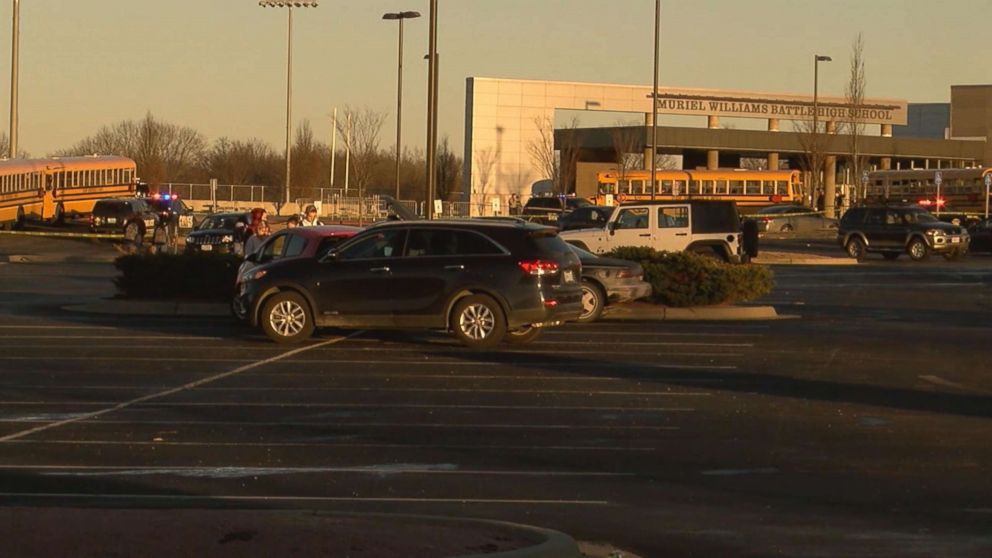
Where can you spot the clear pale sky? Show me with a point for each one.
(219, 65)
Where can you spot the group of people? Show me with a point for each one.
(251, 236)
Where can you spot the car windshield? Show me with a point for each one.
(218, 222)
(920, 216)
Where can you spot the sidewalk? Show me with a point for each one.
(44, 531)
(766, 257)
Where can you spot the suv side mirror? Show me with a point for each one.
(611, 227)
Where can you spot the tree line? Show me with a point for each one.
(166, 152)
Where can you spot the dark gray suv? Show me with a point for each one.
(895, 230)
(484, 281)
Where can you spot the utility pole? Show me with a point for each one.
(334, 141)
(14, 57)
(431, 108)
(654, 102)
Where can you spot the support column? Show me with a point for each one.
(886, 162)
(830, 178)
(712, 155)
(773, 157)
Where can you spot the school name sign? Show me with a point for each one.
(785, 107)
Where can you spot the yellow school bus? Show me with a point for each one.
(751, 189)
(50, 189)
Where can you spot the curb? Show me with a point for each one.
(806, 261)
(151, 308)
(709, 313)
(63, 234)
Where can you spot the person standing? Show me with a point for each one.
(310, 218)
(255, 241)
(293, 221)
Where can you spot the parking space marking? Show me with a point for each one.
(302, 499)
(937, 380)
(647, 343)
(184, 387)
(118, 337)
(353, 445)
(430, 406)
(228, 471)
(392, 425)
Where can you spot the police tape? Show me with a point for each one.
(63, 234)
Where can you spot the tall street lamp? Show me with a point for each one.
(14, 48)
(399, 16)
(431, 108)
(817, 58)
(289, 73)
(654, 102)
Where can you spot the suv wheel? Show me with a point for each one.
(522, 336)
(477, 321)
(856, 248)
(59, 217)
(593, 302)
(286, 318)
(918, 250)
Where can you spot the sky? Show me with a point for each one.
(220, 65)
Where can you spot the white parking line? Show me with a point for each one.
(302, 499)
(937, 380)
(250, 471)
(352, 445)
(116, 337)
(431, 406)
(389, 425)
(171, 391)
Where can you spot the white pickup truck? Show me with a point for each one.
(706, 226)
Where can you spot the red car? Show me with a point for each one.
(296, 242)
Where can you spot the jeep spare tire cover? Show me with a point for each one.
(750, 237)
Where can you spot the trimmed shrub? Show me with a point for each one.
(200, 276)
(688, 279)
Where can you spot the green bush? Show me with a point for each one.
(689, 279)
(201, 276)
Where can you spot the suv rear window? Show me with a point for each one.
(544, 203)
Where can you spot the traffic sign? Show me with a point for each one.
(937, 178)
(988, 179)
(864, 177)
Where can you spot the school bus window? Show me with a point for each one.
(637, 186)
(736, 186)
(623, 186)
(666, 187)
(752, 187)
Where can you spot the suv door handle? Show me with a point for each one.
(379, 270)
(681, 234)
(648, 234)
(458, 267)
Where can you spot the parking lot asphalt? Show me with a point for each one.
(860, 429)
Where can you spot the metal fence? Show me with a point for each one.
(335, 202)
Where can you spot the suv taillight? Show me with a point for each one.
(539, 267)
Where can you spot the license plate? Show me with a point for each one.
(552, 216)
(569, 276)
(955, 240)
(149, 222)
(186, 221)
(206, 247)
(111, 219)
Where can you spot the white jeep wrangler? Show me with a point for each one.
(709, 227)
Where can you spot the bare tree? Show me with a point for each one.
(626, 137)
(542, 150)
(243, 162)
(448, 169)
(363, 140)
(310, 160)
(854, 96)
(557, 165)
(812, 157)
(163, 152)
(5, 147)
(485, 162)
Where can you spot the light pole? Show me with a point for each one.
(817, 58)
(399, 16)
(14, 48)
(289, 73)
(654, 102)
(431, 108)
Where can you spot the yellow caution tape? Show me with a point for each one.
(63, 234)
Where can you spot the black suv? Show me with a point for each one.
(894, 230)
(218, 232)
(130, 216)
(482, 280)
(588, 217)
(549, 209)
